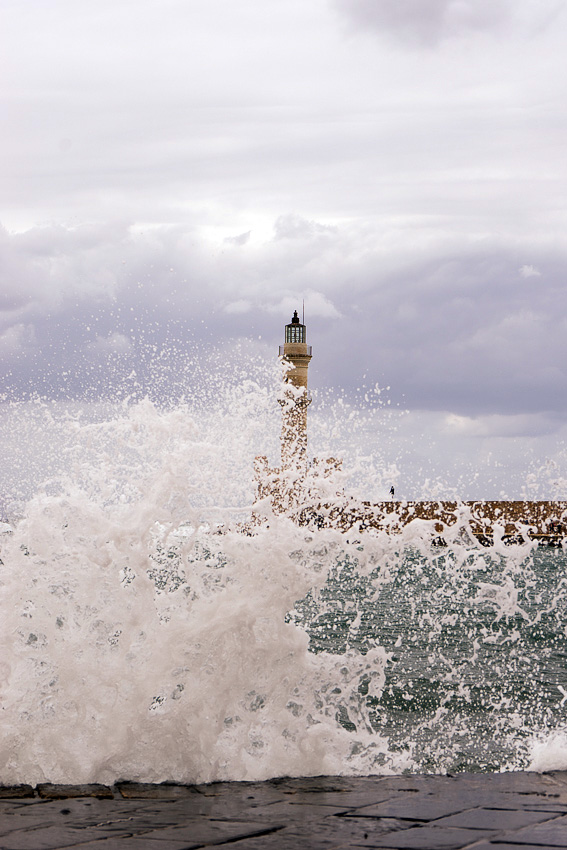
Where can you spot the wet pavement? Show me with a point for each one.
(502, 811)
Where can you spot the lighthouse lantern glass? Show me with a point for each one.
(295, 331)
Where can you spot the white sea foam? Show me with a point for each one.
(549, 752)
(142, 643)
(149, 635)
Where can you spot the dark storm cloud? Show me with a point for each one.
(466, 333)
(452, 326)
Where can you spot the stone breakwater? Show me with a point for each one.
(545, 521)
(500, 811)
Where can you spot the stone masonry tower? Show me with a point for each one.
(295, 401)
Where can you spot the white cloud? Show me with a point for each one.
(114, 343)
(293, 226)
(494, 425)
(16, 339)
(238, 307)
(242, 239)
(317, 305)
(529, 271)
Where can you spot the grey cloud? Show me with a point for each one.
(294, 226)
(495, 425)
(448, 327)
(16, 340)
(481, 457)
(428, 23)
(242, 305)
(45, 266)
(113, 343)
(196, 174)
(242, 239)
(456, 333)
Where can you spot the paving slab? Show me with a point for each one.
(209, 832)
(501, 819)
(47, 838)
(420, 808)
(552, 833)
(498, 811)
(428, 838)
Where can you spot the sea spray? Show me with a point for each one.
(150, 631)
(145, 631)
(120, 667)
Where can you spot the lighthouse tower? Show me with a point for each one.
(293, 488)
(296, 355)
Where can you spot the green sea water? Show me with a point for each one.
(476, 644)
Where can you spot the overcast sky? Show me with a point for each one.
(194, 169)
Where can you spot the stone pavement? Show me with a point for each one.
(501, 811)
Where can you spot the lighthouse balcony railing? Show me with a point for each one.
(308, 350)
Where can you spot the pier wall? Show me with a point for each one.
(545, 520)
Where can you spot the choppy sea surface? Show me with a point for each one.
(476, 646)
(147, 634)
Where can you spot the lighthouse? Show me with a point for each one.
(295, 400)
(295, 488)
